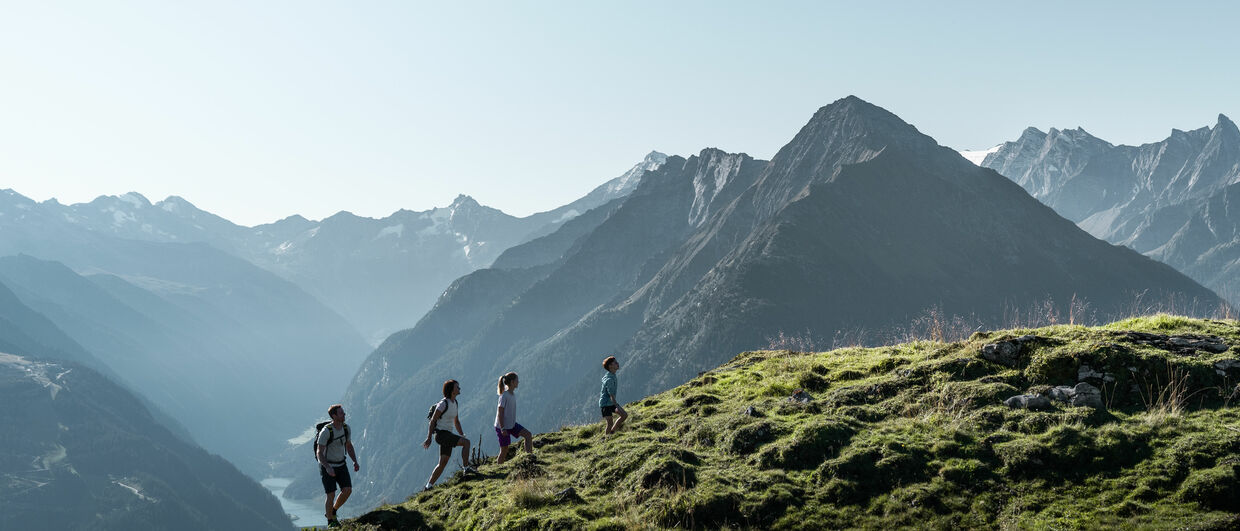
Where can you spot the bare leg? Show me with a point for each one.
(344, 495)
(464, 444)
(529, 440)
(610, 421)
(329, 508)
(620, 422)
(503, 455)
(443, 462)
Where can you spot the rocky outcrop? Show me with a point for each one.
(1011, 353)
(1181, 344)
(1034, 402)
(1082, 394)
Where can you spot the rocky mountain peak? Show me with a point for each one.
(9, 196)
(464, 201)
(1075, 137)
(857, 116)
(177, 205)
(1032, 134)
(127, 200)
(1226, 128)
(847, 131)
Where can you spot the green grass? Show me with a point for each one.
(913, 435)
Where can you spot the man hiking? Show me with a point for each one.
(442, 422)
(331, 444)
(607, 397)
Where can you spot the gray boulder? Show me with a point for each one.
(800, 396)
(1007, 353)
(1207, 343)
(1034, 402)
(1082, 394)
(1225, 366)
(1086, 372)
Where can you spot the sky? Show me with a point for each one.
(256, 111)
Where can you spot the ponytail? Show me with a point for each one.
(505, 379)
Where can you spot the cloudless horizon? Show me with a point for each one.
(256, 112)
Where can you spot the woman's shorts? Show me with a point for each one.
(505, 436)
(608, 410)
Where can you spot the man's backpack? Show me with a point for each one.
(430, 414)
(318, 428)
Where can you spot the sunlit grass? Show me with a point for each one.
(911, 435)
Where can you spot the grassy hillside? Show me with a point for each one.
(909, 435)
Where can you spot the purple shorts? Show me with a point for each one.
(505, 436)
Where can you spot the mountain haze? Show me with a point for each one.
(380, 274)
(82, 452)
(88, 455)
(203, 333)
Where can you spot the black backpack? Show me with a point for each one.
(430, 414)
(318, 428)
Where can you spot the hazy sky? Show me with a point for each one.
(259, 110)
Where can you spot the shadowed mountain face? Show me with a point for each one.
(81, 452)
(1169, 200)
(859, 222)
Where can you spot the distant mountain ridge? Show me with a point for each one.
(860, 221)
(1169, 199)
(380, 274)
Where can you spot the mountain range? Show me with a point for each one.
(1170, 200)
(381, 275)
(860, 221)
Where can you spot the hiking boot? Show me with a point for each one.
(333, 523)
(427, 486)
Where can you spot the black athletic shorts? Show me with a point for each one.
(342, 478)
(447, 441)
(608, 410)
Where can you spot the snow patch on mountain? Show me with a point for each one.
(36, 371)
(705, 184)
(977, 156)
(439, 218)
(135, 199)
(397, 230)
(572, 213)
(626, 183)
(120, 217)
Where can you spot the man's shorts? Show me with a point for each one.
(505, 436)
(342, 478)
(608, 410)
(447, 441)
